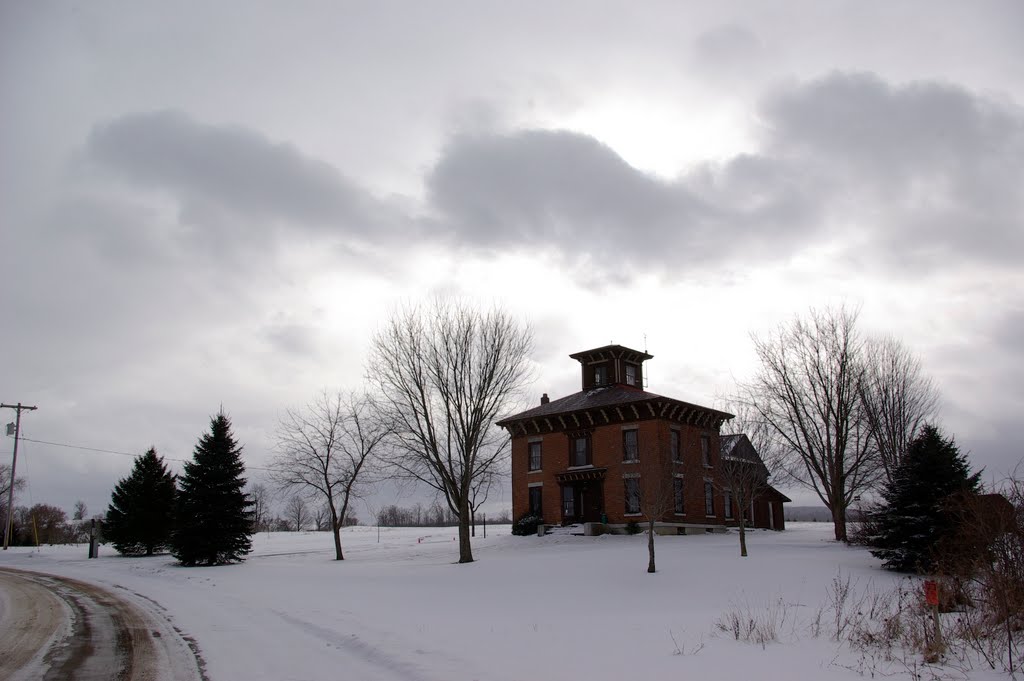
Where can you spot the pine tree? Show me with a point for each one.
(915, 514)
(214, 513)
(140, 518)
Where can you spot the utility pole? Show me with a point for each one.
(18, 408)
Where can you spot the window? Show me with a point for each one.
(630, 449)
(535, 460)
(568, 503)
(632, 495)
(709, 499)
(677, 489)
(630, 374)
(705, 450)
(674, 445)
(580, 455)
(600, 374)
(536, 495)
(728, 505)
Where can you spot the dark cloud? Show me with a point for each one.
(928, 170)
(906, 177)
(567, 191)
(218, 169)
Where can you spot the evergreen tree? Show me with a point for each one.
(140, 518)
(215, 520)
(915, 515)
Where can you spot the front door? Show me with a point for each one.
(582, 502)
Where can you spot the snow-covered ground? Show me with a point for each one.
(554, 607)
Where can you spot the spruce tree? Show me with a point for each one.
(915, 515)
(140, 518)
(214, 513)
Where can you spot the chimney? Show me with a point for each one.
(544, 399)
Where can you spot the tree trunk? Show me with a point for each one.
(839, 521)
(465, 547)
(336, 529)
(743, 537)
(650, 545)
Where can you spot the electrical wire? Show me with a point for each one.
(113, 451)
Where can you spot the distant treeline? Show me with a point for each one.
(808, 514)
(435, 515)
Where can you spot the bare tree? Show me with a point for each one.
(807, 390)
(444, 374)
(260, 497)
(750, 457)
(898, 399)
(297, 512)
(5, 486)
(322, 517)
(329, 449)
(655, 488)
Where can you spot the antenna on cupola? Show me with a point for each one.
(646, 371)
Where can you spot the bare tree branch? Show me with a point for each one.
(897, 397)
(443, 375)
(329, 449)
(807, 391)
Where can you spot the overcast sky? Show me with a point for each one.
(208, 204)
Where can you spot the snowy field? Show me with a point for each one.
(557, 607)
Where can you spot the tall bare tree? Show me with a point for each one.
(329, 449)
(444, 373)
(898, 399)
(260, 497)
(5, 483)
(807, 390)
(297, 512)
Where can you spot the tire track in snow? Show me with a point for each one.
(367, 652)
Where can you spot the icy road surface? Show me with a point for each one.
(60, 628)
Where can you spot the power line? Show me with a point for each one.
(112, 451)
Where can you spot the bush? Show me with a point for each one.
(527, 525)
(633, 527)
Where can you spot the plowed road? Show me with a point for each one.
(59, 628)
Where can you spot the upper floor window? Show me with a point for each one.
(630, 374)
(535, 456)
(705, 450)
(580, 455)
(630, 445)
(601, 374)
(673, 443)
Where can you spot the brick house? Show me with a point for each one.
(615, 453)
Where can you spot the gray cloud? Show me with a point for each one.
(929, 170)
(569, 192)
(217, 169)
(907, 176)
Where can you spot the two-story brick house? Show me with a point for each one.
(604, 453)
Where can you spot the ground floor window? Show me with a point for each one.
(709, 498)
(568, 503)
(677, 489)
(728, 504)
(536, 496)
(632, 495)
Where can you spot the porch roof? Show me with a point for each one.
(580, 475)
